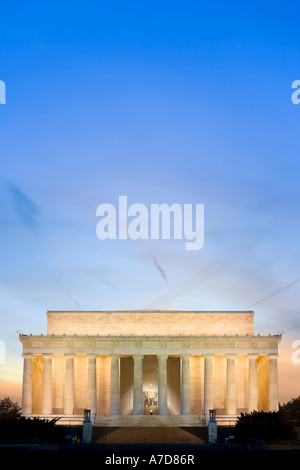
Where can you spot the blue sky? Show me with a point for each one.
(171, 101)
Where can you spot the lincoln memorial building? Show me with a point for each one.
(149, 367)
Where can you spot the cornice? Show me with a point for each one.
(157, 338)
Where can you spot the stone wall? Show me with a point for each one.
(150, 323)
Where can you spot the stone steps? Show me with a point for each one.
(149, 420)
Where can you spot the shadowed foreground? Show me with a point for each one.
(151, 435)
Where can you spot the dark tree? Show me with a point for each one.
(15, 426)
(290, 411)
(9, 409)
(27, 428)
(262, 426)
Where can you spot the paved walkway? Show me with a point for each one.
(151, 435)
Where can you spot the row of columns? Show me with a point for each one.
(231, 407)
(231, 402)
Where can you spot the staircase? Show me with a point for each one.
(149, 420)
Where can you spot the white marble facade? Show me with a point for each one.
(133, 363)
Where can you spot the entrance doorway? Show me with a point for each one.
(150, 385)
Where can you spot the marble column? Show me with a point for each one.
(185, 385)
(47, 385)
(231, 385)
(162, 386)
(253, 383)
(138, 401)
(92, 384)
(27, 385)
(208, 383)
(115, 385)
(273, 383)
(69, 385)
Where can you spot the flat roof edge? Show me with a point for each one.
(149, 311)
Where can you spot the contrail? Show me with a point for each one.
(276, 292)
(103, 279)
(25, 208)
(201, 276)
(73, 300)
(77, 303)
(160, 269)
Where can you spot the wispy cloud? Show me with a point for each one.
(24, 207)
(201, 276)
(160, 269)
(67, 292)
(111, 285)
(274, 293)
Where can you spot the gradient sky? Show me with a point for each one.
(162, 101)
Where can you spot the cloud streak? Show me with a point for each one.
(199, 278)
(274, 293)
(160, 269)
(67, 292)
(24, 207)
